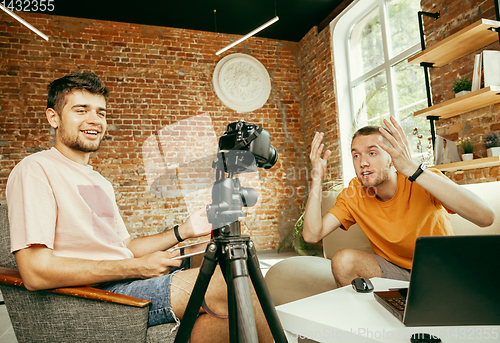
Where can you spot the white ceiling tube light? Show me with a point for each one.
(260, 28)
(22, 21)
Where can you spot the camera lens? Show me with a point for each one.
(265, 154)
(273, 157)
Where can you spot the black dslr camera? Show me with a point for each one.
(242, 149)
(243, 137)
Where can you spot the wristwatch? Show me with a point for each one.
(419, 171)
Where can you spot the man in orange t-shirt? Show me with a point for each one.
(394, 201)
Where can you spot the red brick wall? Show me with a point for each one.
(159, 78)
(455, 15)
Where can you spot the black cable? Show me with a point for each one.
(210, 312)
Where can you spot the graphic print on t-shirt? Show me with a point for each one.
(103, 217)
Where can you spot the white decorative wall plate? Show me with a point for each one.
(241, 82)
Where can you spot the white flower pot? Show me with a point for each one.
(495, 151)
(467, 157)
(461, 93)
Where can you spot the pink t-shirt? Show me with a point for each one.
(68, 207)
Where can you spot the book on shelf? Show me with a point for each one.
(486, 69)
(476, 76)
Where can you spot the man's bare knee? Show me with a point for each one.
(348, 264)
(343, 259)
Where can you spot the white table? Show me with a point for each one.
(343, 315)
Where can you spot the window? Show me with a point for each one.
(372, 41)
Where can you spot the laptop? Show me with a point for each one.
(455, 280)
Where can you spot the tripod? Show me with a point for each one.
(233, 253)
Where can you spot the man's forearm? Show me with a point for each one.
(458, 199)
(159, 242)
(51, 271)
(312, 216)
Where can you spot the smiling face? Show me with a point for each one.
(81, 125)
(371, 163)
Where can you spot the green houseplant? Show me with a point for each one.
(463, 84)
(467, 145)
(294, 238)
(467, 148)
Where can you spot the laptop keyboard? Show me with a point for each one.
(398, 303)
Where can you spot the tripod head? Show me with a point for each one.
(242, 149)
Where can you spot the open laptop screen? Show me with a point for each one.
(455, 280)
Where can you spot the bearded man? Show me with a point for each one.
(393, 200)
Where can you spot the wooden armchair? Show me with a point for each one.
(73, 314)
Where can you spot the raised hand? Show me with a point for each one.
(399, 148)
(318, 163)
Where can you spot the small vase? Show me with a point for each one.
(495, 151)
(461, 93)
(467, 157)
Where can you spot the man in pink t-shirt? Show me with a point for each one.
(66, 229)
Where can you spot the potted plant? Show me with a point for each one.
(492, 144)
(462, 86)
(467, 148)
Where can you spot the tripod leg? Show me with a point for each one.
(236, 256)
(246, 319)
(231, 302)
(200, 288)
(264, 296)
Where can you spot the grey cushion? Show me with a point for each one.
(6, 258)
(50, 317)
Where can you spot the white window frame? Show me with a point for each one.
(341, 28)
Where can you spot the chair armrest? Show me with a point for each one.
(12, 277)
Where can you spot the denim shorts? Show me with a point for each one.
(156, 290)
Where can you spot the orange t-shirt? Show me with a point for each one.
(393, 226)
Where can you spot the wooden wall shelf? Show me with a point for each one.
(462, 43)
(469, 102)
(474, 164)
